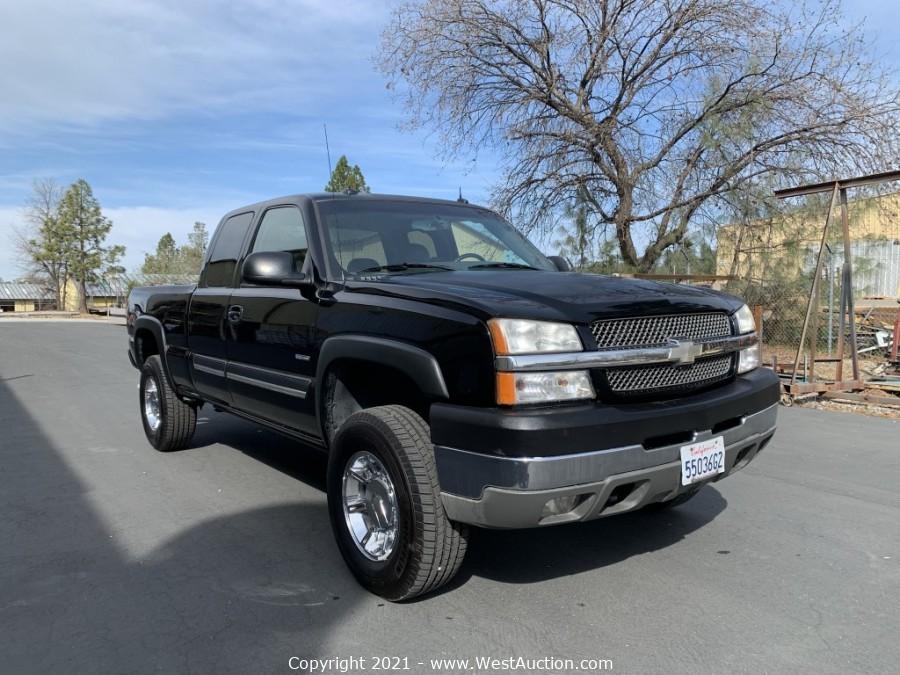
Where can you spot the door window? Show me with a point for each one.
(282, 229)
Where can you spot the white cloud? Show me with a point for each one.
(11, 218)
(120, 92)
(83, 63)
(137, 228)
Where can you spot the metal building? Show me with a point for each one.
(18, 296)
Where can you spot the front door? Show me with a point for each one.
(208, 313)
(270, 367)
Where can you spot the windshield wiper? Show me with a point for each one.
(401, 267)
(502, 265)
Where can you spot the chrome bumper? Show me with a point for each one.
(503, 492)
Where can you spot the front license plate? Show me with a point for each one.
(702, 460)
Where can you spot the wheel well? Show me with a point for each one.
(145, 345)
(351, 385)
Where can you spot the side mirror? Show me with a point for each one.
(562, 264)
(273, 268)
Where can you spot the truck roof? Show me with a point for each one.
(355, 196)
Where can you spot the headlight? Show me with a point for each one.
(520, 336)
(745, 321)
(518, 388)
(748, 359)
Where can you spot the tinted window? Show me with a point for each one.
(364, 233)
(423, 239)
(476, 241)
(358, 248)
(282, 230)
(224, 256)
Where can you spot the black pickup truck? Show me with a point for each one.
(454, 375)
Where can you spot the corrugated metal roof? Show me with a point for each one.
(118, 286)
(15, 290)
(109, 287)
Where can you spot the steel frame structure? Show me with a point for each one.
(838, 189)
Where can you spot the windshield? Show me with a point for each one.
(367, 236)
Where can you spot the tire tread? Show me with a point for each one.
(179, 419)
(440, 550)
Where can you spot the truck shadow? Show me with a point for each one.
(530, 556)
(293, 458)
(240, 591)
(517, 556)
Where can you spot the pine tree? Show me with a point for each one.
(88, 255)
(193, 253)
(178, 260)
(346, 177)
(164, 260)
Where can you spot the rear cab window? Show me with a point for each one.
(226, 250)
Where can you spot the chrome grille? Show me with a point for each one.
(649, 379)
(647, 331)
(651, 331)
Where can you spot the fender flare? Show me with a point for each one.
(152, 324)
(420, 366)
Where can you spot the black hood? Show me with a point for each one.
(551, 296)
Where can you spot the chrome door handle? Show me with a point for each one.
(235, 312)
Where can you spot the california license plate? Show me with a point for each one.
(702, 460)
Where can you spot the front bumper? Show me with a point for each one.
(506, 489)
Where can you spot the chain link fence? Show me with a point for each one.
(771, 263)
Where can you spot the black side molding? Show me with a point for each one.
(267, 378)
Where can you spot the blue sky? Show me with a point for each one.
(179, 111)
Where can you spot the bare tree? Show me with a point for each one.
(42, 243)
(657, 107)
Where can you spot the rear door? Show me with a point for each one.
(270, 366)
(208, 313)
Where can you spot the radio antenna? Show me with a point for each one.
(327, 150)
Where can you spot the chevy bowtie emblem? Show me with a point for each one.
(683, 352)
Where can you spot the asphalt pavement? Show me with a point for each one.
(116, 558)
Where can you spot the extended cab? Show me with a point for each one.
(454, 375)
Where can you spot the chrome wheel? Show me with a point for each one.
(151, 404)
(370, 506)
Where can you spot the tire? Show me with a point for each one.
(176, 420)
(428, 548)
(683, 498)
